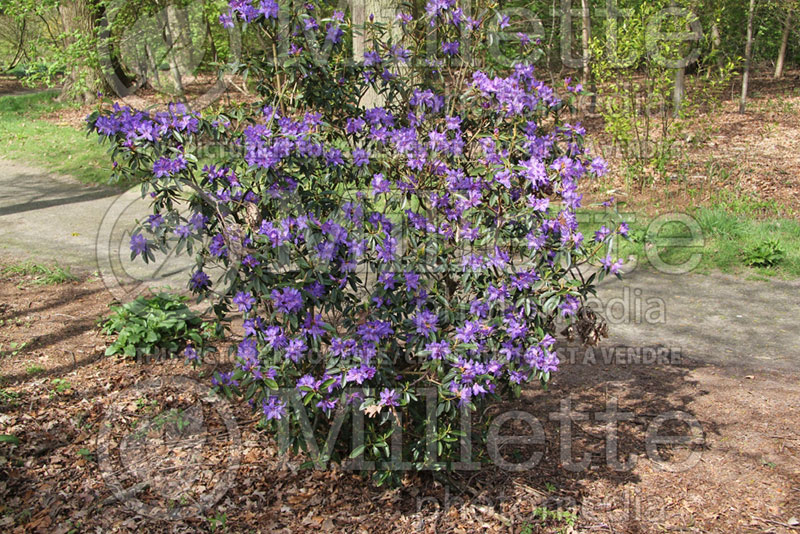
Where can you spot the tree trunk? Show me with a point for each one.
(115, 77)
(787, 29)
(585, 34)
(679, 90)
(748, 56)
(381, 11)
(82, 80)
(171, 37)
(716, 45)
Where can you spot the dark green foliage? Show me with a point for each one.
(162, 322)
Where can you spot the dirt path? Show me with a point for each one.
(56, 219)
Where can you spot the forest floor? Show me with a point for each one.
(84, 463)
(747, 163)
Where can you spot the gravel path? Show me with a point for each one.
(713, 318)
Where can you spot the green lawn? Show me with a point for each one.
(25, 137)
(724, 238)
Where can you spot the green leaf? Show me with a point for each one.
(8, 438)
(358, 451)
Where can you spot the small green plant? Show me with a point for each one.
(543, 517)
(144, 326)
(146, 405)
(13, 349)
(765, 254)
(60, 386)
(218, 521)
(171, 419)
(8, 398)
(34, 369)
(9, 438)
(86, 454)
(42, 275)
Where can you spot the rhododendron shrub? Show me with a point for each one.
(398, 264)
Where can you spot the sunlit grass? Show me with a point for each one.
(27, 138)
(724, 240)
(41, 274)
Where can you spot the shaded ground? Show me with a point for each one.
(744, 477)
(715, 318)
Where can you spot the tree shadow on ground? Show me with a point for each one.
(29, 192)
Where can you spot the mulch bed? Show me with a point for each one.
(99, 452)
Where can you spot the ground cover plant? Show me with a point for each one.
(150, 324)
(399, 233)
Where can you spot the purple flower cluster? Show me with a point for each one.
(433, 229)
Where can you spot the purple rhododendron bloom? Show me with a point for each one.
(380, 184)
(425, 322)
(360, 374)
(360, 157)
(139, 244)
(601, 234)
(190, 353)
(326, 405)
(438, 350)
(199, 281)
(226, 19)
(296, 349)
(412, 281)
(610, 265)
(569, 306)
(389, 397)
(274, 408)
(183, 231)
(244, 301)
(374, 331)
(450, 48)
(334, 33)
(287, 301)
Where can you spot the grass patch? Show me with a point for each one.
(34, 369)
(40, 274)
(734, 242)
(26, 137)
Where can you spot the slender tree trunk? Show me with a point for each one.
(170, 32)
(212, 44)
(748, 56)
(114, 74)
(716, 45)
(787, 29)
(585, 35)
(679, 90)
(381, 11)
